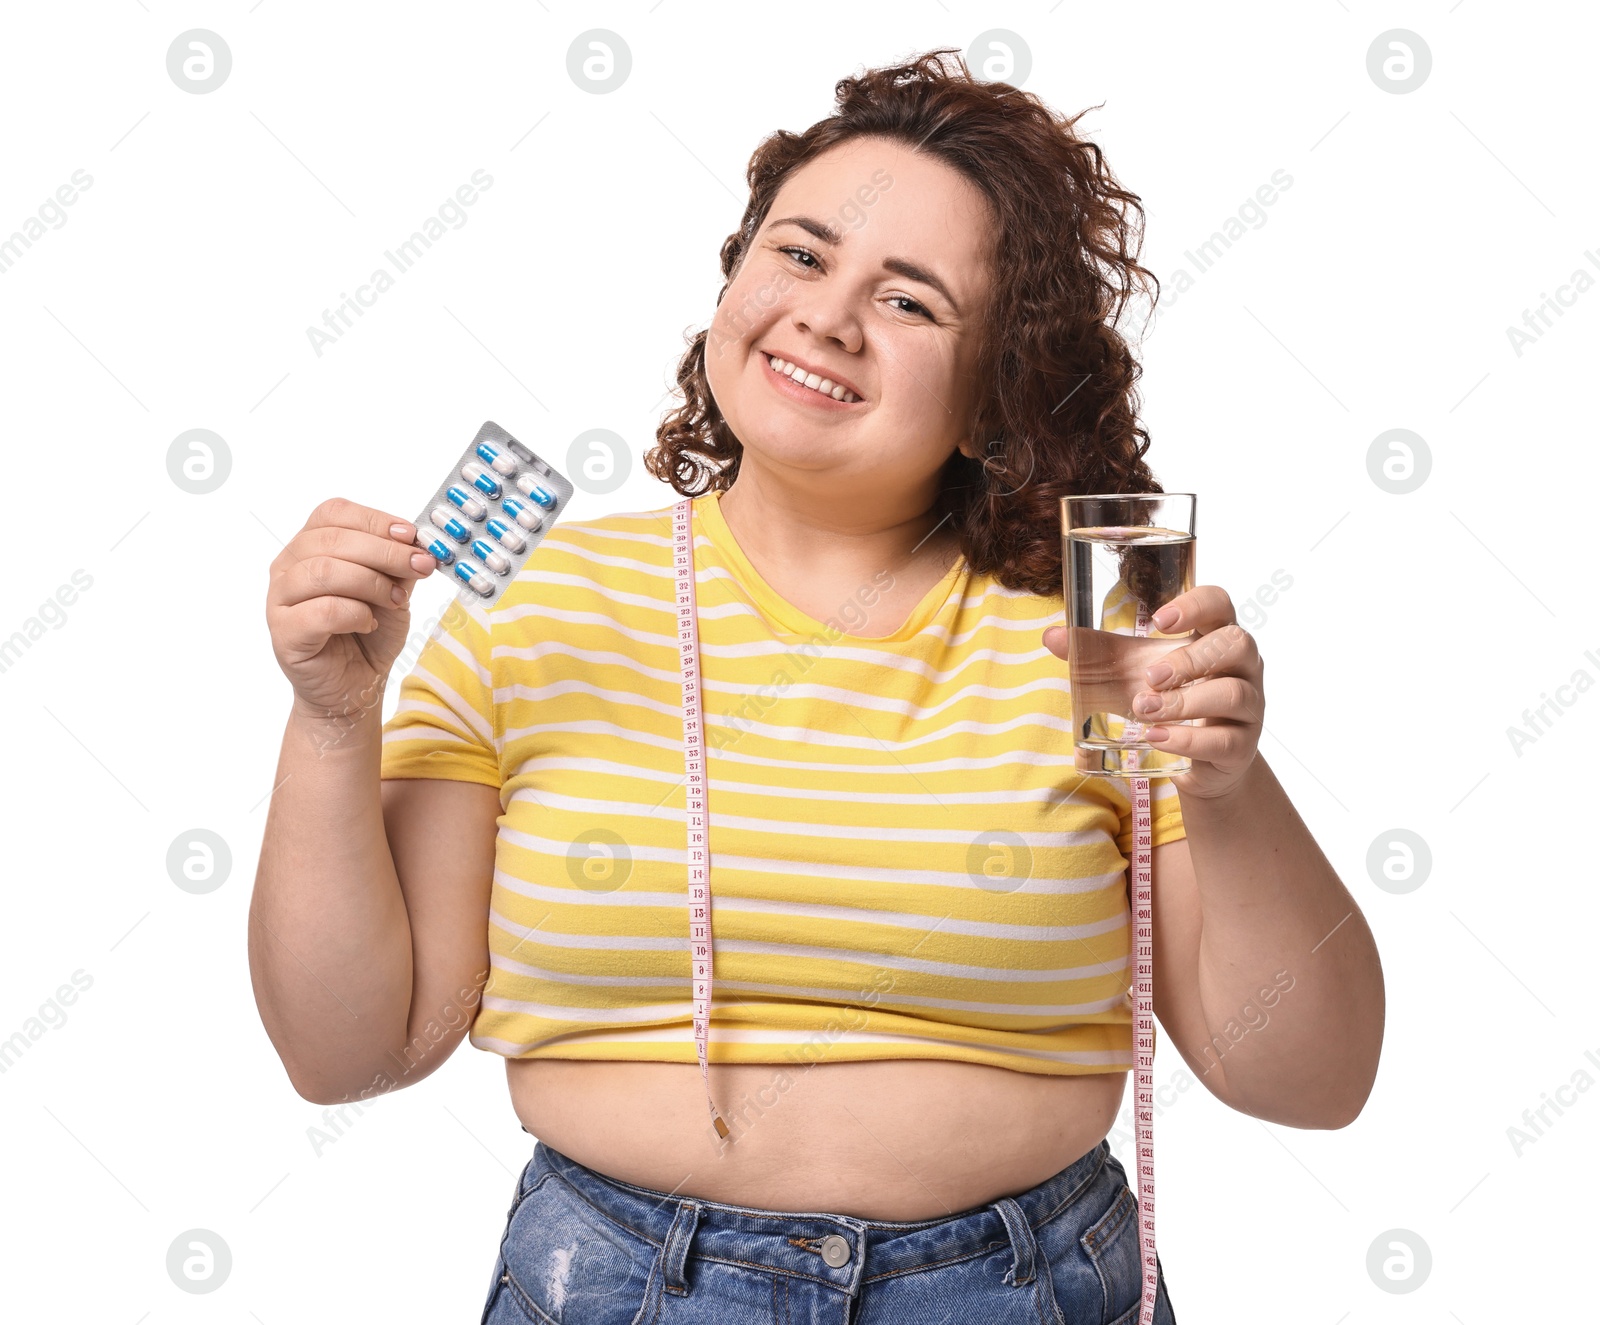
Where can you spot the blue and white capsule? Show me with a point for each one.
(478, 476)
(506, 536)
(448, 522)
(471, 575)
(498, 562)
(530, 485)
(430, 542)
(525, 516)
(501, 464)
(470, 506)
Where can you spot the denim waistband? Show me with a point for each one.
(792, 1241)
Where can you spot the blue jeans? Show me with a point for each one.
(583, 1249)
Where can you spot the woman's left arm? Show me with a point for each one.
(1251, 898)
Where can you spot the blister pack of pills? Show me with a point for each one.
(491, 511)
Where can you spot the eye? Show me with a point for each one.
(793, 249)
(914, 304)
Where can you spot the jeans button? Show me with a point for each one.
(835, 1250)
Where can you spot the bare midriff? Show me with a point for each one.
(890, 1139)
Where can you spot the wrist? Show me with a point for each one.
(1237, 799)
(355, 722)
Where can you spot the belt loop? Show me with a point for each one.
(676, 1251)
(1022, 1244)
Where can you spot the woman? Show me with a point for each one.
(914, 357)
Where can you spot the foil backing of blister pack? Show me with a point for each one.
(493, 508)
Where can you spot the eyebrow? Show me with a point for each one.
(900, 266)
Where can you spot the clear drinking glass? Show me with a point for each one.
(1123, 556)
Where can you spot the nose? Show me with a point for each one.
(827, 314)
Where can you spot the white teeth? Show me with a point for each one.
(812, 380)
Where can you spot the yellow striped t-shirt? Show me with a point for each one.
(903, 862)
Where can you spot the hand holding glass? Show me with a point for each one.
(1124, 556)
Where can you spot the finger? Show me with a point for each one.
(1227, 744)
(394, 556)
(1203, 608)
(1223, 697)
(339, 513)
(314, 576)
(306, 627)
(347, 514)
(400, 562)
(1231, 648)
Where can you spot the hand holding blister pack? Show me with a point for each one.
(494, 507)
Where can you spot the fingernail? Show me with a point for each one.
(1156, 734)
(1146, 703)
(404, 534)
(397, 595)
(1159, 674)
(422, 561)
(1165, 617)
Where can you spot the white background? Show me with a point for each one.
(1418, 627)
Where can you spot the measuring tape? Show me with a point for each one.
(695, 800)
(700, 902)
(1144, 1037)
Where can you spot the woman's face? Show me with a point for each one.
(871, 270)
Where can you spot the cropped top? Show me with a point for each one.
(904, 863)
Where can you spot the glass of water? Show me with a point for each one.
(1124, 555)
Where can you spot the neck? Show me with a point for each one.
(834, 536)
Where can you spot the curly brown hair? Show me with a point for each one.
(1060, 405)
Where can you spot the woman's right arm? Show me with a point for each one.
(368, 922)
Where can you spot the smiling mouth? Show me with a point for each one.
(822, 386)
